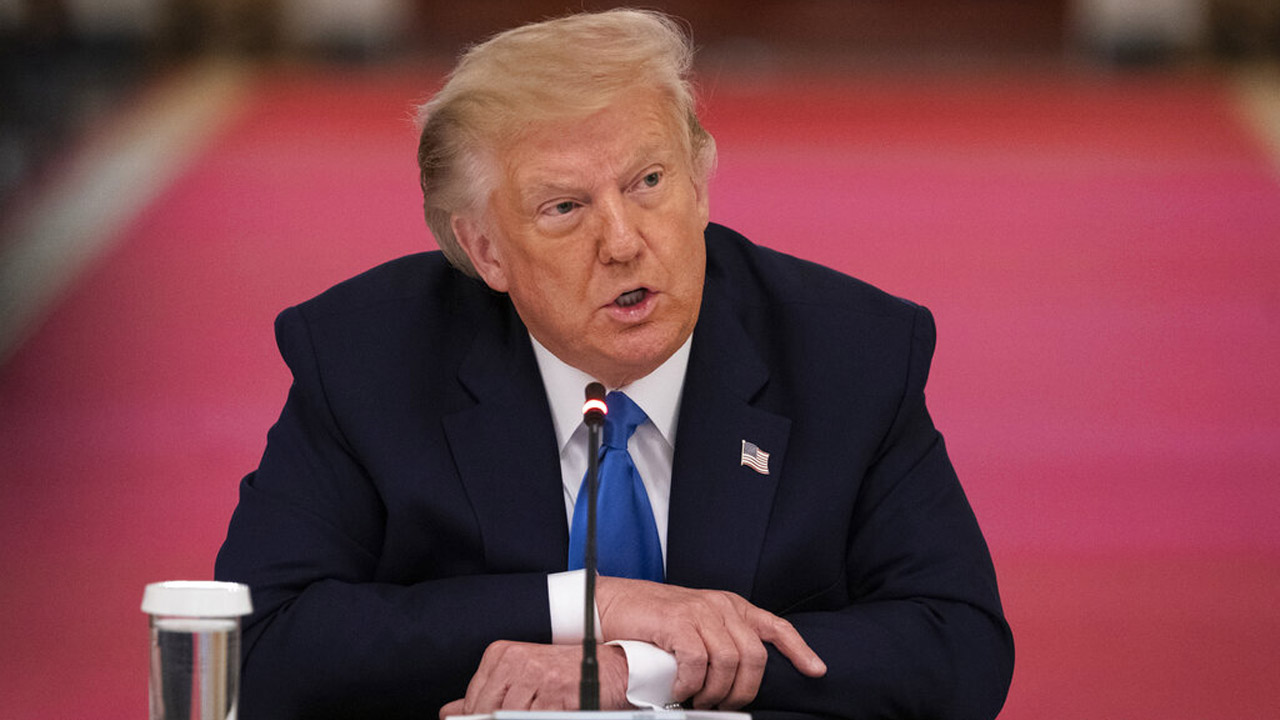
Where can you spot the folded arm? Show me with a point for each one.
(919, 630)
(911, 627)
(337, 630)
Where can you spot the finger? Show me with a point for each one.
(547, 702)
(519, 696)
(722, 664)
(474, 688)
(752, 657)
(691, 663)
(453, 708)
(721, 671)
(489, 697)
(784, 636)
(486, 690)
(749, 654)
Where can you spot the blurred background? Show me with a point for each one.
(1085, 192)
(64, 61)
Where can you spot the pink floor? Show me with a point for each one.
(1102, 255)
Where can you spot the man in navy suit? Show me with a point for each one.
(406, 535)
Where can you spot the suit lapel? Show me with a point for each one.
(720, 509)
(505, 450)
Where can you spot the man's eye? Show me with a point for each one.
(563, 207)
(652, 179)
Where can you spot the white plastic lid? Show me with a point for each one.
(197, 598)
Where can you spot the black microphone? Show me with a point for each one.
(593, 412)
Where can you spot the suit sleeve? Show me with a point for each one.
(326, 638)
(924, 635)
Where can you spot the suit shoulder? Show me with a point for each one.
(418, 288)
(417, 299)
(756, 275)
(404, 278)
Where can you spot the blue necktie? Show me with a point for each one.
(627, 542)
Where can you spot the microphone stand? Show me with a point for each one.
(589, 689)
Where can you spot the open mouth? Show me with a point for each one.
(627, 299)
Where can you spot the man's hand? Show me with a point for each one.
(532, 676)
(717, 637)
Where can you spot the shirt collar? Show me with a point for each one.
(657, 393)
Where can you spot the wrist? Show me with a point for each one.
(614, 677)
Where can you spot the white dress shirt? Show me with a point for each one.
(651, 670)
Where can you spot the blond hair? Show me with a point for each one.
(563, 68)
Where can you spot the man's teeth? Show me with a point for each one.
(628, 299)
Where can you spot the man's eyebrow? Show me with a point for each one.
(649, 154)
(658, 153)
(538, 189)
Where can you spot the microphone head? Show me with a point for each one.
(594, 409)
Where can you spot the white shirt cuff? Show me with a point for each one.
(651, 671)
(651, 674)
(565, 593)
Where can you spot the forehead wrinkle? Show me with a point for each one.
(543, 162)
(548, 179)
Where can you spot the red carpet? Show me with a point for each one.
(1102, 256)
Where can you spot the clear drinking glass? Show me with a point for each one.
(195, 648)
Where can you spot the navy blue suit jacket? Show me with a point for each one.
(409, 505)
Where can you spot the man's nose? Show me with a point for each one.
(619, 237)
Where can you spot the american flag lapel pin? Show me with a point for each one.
(755, 458)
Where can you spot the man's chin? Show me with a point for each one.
(630, 359)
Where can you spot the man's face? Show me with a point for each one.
(595, 231)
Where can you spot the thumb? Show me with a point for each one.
(453, 708)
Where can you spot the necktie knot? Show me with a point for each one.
(621, 422)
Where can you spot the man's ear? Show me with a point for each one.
(485, 256)
(703, 199)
